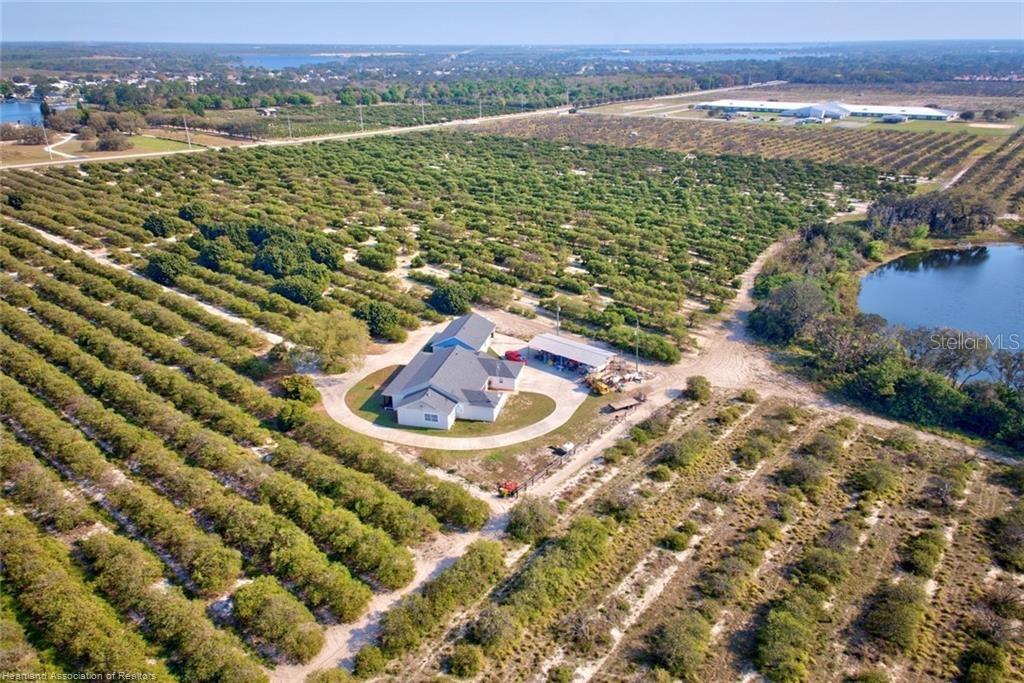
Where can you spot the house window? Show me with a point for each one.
(430, 417)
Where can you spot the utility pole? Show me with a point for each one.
(522, 103)
(46, 139)
(558, 319)
(288, 118)
(361, 128)
(480, 107)
(187, 135)
(423, 115)
(636, 348)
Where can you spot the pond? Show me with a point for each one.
(20, 111)
(979, 290)
(275, 62)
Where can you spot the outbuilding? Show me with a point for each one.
(569, 354)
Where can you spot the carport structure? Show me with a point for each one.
(570, 355)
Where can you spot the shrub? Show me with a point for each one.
(298, 288)
(369, 661)
(405, 624)
(466, 660)
(560, 674)
(165, 267)
(661, 473)
(698, 388)
(922, 552)
(755, 448)
(158, 225)
(680, 645)
(877, 478)
(728, 415)
(869, 676)
(902, 439)
(495, 629)
(808, 474)
(530, 520)
(688, 448)
(984, 662)
(113, 142)
(1007, 537)
(896, 614)
(270, 616)
(300, 388)
(378, 257)
(680, 538)
(749, 396)
(192, 211)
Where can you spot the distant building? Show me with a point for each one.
(570, 354)
(832, 110)
(819, 112)
(894, 118)
(453, 381)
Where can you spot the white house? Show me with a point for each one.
(452, 382)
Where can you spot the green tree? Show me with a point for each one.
(333, 340)
(450, 298)
(382, 319)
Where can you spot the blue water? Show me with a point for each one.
(978, 290)
(276, 62)
(704, 56)
(15, 111)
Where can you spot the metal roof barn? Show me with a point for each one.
(582, 354)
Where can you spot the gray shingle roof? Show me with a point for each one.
(456, 374)
(429, 399)
(495, 367)
(472, 330)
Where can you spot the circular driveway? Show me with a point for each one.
(566, 391)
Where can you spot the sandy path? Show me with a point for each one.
(345, 640)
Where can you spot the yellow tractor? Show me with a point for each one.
(598, 385)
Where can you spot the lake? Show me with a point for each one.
(978, 290)
(13, 111)
(277, 62)
(704, 55)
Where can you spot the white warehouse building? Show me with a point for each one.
(831, 110)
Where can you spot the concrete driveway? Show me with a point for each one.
(565, 389)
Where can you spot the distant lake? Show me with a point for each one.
(13, 111)
(703, 56)
(978, 290)
(277, 62)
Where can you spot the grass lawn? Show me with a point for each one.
(948, 127)
(578, 428)
(23, 154)
(522, 408)
(202, 139)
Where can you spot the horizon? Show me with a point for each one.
(255, 44)
(508, 24)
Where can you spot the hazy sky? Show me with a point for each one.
(481, 23)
